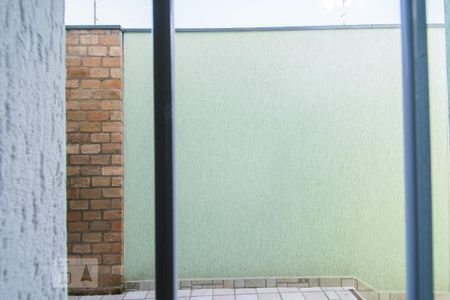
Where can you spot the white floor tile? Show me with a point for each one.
(183, 293)
(288, 290)
(292, 296)
(223, 292)
(333, 289)
(201, 292)
(315, 296)
(151, 295)
(267, 290)
(311, 289)
(244, 291)
(90, 297)
(346, 295)
(224, 297)
(74, 297)
(247, 297)
(202, 298)
(332, 295)
(182, 298)
(135, 295)
(269, 296)
(113, 297)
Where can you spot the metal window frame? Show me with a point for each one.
(416, 148)
(417, 161)
(165, 264)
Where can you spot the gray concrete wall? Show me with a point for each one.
(32, 148)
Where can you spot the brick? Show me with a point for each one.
(104, 270)
(81, 248)
(101, 248)
(116, 203)
(89, 149)
(111, 148)
(77, 72)
(116, 181)
(73, 216)
(115, 51)
(116, 137)
(112, 259)
(90, 170)
(112, 193)
(101, 181)
(80, 182)
(115, 73)
(90, 39)
(100, 137)
(115, 115)
(112, 84)
(94, 146)
(100, 226)
(80, 94)
(73, 193)
(90, 84)
(98, 116)
(112, 215)
(99, 73)
(100, 204)
(73, 237)
(92, 215)
(76, 116)
(116, 248)
(78, 138)
(112, 170)
(116, 159)
(90, 105)
(73, 61)
(90, 127)
(72, 170)
(75, 51)
(72, 84)
(97, 51)
(116, 226)
(93, 193)
(111, 104)
(112, 95)
(72, 126)
(110, 40)
(92, 237)
(77, 226)
(72, 105)
(97, 94)
(112, 61)
(72, 149)
(89, 61)
(100, 159)
(79, 159)
(112, 237)
(73, 40)
(112, 126)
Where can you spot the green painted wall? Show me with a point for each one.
(289, 155)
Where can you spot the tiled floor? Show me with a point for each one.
(240, 294)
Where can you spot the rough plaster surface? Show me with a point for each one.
(32, 148)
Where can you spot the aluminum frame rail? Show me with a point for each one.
(165, 249)
(416, 122)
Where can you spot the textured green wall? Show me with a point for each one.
(288, 152)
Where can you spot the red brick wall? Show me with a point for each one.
(94, 90)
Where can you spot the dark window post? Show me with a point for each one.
(164, 187)
(417, 151)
